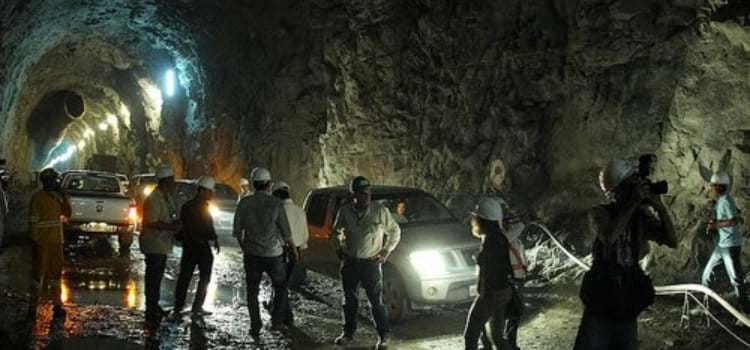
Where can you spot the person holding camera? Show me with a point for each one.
(616, 290)
(728, 249)
(159, 226)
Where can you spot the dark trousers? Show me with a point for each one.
(275, 268)
(490, 307)
(603, 333)
(369, 274)
(192, 256)
(513, 314)
(297, 273)
(155, 265)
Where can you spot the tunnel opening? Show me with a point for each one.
(48, 122)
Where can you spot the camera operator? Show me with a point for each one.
(616, 290)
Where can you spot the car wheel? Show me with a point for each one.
(394, 295)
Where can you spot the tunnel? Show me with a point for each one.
(527, 100)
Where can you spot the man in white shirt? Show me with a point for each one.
(298, 224)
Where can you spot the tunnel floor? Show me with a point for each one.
(104, 303)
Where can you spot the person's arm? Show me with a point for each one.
(668, 233)
(338, 233)
(393, 235)
(237, 230)
(610, 227)
(726, 215)
(152, 216)
(305, 231)
(282, 224)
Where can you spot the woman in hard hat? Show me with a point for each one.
(729, 244)
(493, 285)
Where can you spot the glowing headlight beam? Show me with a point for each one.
(62, 158)
(428, 263)
(169, 82)
(213, 210)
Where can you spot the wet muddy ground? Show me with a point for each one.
(104, 302)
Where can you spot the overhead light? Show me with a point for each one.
(124, 111)
(81, 145)
(103, 126)
(111, 119)
(169, 82)
(88, 133)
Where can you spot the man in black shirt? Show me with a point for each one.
(197, 233)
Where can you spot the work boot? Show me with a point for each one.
(383, 341)
(343, 339)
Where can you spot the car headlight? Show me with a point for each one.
(147, 191)
(428, 263)
(213, 210)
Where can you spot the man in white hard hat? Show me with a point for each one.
(160, 222)
(298, 224)
(728, 249)
(616, 290)
(197, 236)
(245, 189)
(364, 235)
(262, 229)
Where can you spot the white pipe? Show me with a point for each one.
(662, 290)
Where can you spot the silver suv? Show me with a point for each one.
(433, 264)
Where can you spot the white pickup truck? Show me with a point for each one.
(99, 207)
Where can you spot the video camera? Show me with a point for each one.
(646, 164)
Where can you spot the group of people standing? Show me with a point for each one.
(272, 232)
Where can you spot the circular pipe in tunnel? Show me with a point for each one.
(73, 105)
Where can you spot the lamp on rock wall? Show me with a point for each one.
(169, 82)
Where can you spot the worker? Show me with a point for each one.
(365, 235)
(262, 229)
(728, 246)
(399, 214)
(616, 290)
(513, 227)
(245, 189)
(197, 236)
(493, 285)
(160, 223)
(50, 209)
(4, 205)
(298, 224)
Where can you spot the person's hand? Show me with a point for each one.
(382, 257)
(292, 250)
(712, 224)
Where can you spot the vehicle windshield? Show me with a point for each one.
(411, 208)
(93, 183)
(225, 192)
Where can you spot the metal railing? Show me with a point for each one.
(687, 289)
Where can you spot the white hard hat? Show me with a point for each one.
(281, 185)
(614, 173)
(244, 182)
(261, 174)
(164, 171)
(489, 208)
(207, 182)
(720, 178)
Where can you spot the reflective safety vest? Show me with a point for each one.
(48, 212)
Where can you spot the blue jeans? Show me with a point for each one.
(369, 274)
(275, 268)
(603, 333)
(730, 256)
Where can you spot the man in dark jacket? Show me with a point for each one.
(196, 235)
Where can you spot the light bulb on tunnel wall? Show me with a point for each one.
(103, 126)
(111, 119)
(81, 145)
(169, 82)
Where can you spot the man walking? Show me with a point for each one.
(197, 234)
(728, 249)
(262, 229)
(49, 211)
(159, 226)
(298, 224)
(364, 235)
